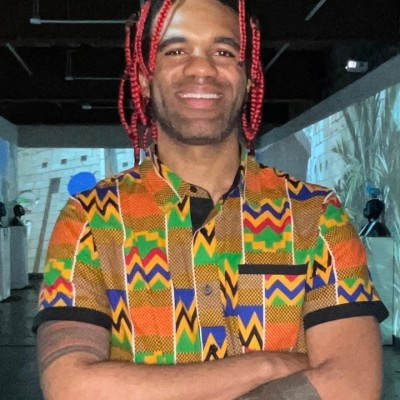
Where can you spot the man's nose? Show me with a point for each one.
(201, 66)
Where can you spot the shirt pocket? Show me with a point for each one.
(279, 290)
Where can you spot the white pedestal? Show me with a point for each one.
(5, 271)
(18, 257)
(381, 264)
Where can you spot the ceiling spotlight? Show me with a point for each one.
(355, 66)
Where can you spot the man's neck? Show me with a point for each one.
(211, 167)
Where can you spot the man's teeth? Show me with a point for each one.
(200, 96)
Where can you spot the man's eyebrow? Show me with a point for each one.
(172, 40)
(229, 41)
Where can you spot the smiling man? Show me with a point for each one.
(201, 274)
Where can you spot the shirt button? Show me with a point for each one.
(207, 290)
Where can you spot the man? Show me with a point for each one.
(234, 279)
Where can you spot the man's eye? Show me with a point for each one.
(225, 53)
(174, 52)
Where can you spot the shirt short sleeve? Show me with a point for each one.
(339, 284)
(73, 288)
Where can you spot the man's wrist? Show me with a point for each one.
(280, 365)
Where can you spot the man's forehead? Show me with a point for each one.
(199, 15)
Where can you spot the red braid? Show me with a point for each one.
(252, 115)
(243, 35)
(139, 37)
(157, 34)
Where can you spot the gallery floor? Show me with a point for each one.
(18, 370)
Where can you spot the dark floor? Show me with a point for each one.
(18, 370)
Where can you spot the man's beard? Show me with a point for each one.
(184, 130)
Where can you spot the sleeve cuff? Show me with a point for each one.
(72, 314)
(376, 309)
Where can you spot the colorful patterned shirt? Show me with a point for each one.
(178, 279)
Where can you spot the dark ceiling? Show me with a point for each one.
(57, 72)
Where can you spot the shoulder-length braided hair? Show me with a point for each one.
(140, 54)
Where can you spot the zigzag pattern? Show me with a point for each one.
(181, 212)
(88, 241)
(349, 293)
(152, 272)
(61, 293)
(280, 290)
(323, 271)
(212, 349)
(299, 190)
(156, 269)
(250, 335)
(186, 322)
(102, 202)
(275, 216)
(136, 277)
(121, 328)
(205, 240)
(229, 289)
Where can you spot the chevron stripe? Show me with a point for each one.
(215, 343)
(278, 294)
(276, 210)
(60, 293)
(121, 318)
(136, 278)
(55, 299)
(289, 287)
(257, 226)
(180, 214)
(277, 217)
(299, 190)
(251, 335)
(100, 208)
(205, 240)
(355, 293)
(230, 297)
(218, 334)
(156, 269)
(186, 322)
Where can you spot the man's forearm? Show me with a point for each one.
(74, 363)
(218, 380)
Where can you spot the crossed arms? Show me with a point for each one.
(343, 362)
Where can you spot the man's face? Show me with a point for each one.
(198, 89)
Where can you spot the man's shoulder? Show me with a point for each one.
(280, 179)
(112, 184)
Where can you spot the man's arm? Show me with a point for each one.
(345, 358)
(73, 363)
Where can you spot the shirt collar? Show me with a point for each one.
(168, 189)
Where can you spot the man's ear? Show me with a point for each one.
(248, 87)
(144, 84)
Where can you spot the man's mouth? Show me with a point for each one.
(205, 96)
